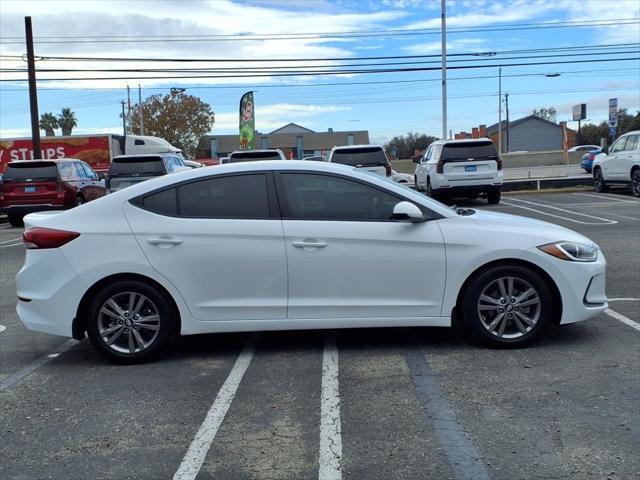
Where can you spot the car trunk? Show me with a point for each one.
(470, 161)
(32, 183)
(370, 159)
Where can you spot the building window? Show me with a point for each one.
(264, 143)
(214, 147)
(350, 139)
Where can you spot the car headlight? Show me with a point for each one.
(573, 252)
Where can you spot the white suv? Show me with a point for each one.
(621, 164)
(369, 157)
(461, 168)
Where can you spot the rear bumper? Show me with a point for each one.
(26, 209)
(467, 190)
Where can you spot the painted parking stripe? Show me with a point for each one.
(604, 221)
(623, 319)
(11, 380)
(330, 428)
(463, 457)
(12, 244)
(609, 198)
(625, 299)
(197, 452)
(11, 240)
(2, 328)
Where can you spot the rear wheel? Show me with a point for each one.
(79, 201)
(15, 220)
(417, 185)
(130, 322)
(598, 181)
(506, 306)
(635, 182)
(493, 197)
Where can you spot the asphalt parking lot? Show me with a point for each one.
(398, 403)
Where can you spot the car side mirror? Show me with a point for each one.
(407, 212)
(417, 159)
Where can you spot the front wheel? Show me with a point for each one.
(599, 184)
(506, 306)
(494, 197)
(130, 322)
(635, 182)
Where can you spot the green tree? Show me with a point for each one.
(178, 118)
(592, 133)
(546, 113)
(48, 123)
(67, 120)
(404, 146)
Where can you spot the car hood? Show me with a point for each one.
(537, 230)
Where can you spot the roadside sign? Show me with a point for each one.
(579, 112)
(612, 131)
(613, 113)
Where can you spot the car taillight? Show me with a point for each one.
(47, 238)
(440, 166)
(499, 162)
(387, 168)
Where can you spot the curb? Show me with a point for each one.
(541, 183)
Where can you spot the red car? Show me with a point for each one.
(36, 185)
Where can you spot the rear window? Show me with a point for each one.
(32, 170)
(468, 151)
(360, 157)
(250, 156)
(131, 166)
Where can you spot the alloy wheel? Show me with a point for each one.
(635, 183)
(509, 307)
(128, 322)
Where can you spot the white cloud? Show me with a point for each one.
(435, 47)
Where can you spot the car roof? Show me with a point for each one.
(363, 145)
(462, 140)
(54, 160)
(260, 150)
(143, 155)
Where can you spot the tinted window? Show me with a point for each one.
(239, 196)
(163, 202)
(67, 170)
(137, 166)
(320, 197)
(32, 170)
(249, 156)
(632, 142)
(139, 142)
(464, 152)
(360, 157)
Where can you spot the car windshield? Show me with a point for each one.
(469, 151)
(129, 166)
(253, 156)
(360, 157)
(32, 170)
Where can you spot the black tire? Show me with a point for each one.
(635, 182)
(155, 302)
(415, 181)
(429, 188)
(478, 324)
(15, 220)
(494, 197)
(79, 201)
(599, 184)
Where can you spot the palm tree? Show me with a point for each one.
(49, 123)
(67, 120)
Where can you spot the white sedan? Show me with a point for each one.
(279, 245)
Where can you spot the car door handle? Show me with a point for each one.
(309, 244)
(164, 241)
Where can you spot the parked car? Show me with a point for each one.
(403, 178)
(584, 148)
(192, 164)
(36, 185)
(587, 159)
(127, 170)
(224, 160)
(295, 245)
(369, 157)
(461, 168)
(256, 155)
(315, 158)
(620, 165)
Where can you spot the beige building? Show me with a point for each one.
(294, 140)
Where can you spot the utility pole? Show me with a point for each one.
(506, 104)
(33, 92)
(124, 120)
(140, 110)
(128, 107)
(500, 110)
(443, 34)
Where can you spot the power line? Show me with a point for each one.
(329, 72)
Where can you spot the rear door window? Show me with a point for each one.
(31, 171)
(360, 157)
(80, 173)
(469, 151)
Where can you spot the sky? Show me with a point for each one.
(386, 104)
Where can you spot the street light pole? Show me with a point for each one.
(443, 34)
(500, 110)
(124, 120)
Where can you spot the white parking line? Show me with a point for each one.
(330, 429)
(622, 318)
(11, 380)
(12, 244)
(5, 225)
(607, 197)
(604, 221)
(195, 456)
(625, 299)
(2, 328)
(11, 240)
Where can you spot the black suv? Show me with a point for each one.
(127, 170)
